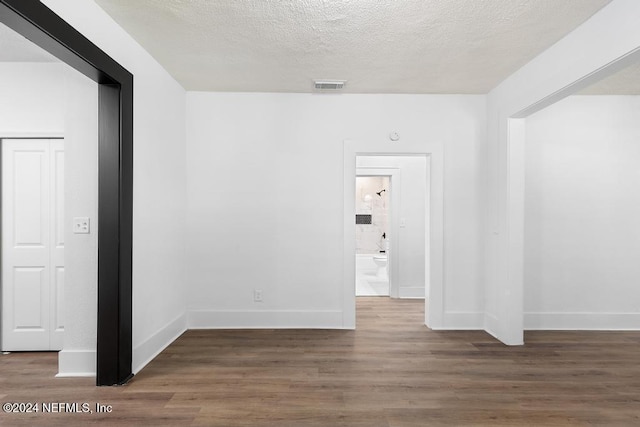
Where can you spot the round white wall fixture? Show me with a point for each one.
(394, 136)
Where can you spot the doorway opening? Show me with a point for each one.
(373, 233)
(43, 27)
(516, 316)
(364, 159)
(50, 176)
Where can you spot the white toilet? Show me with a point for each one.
(381, 261)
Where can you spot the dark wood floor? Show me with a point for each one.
(391, 371)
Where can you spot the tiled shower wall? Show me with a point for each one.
(369, 236)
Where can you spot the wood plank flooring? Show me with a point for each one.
(391, 372)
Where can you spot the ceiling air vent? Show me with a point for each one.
(329, 84)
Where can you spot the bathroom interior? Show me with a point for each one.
(372, 235)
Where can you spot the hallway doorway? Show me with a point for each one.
(427, 225)
(39, 24)
(373, 215)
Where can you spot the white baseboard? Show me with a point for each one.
(582, 321)
(417, 292)
(491, 324)
(461, 320)
(264, 319)
(76, 363)
(146, 351)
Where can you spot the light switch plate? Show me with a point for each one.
(81, 225)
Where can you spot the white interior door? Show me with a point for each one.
(32, 244)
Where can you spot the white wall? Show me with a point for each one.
(159, 181)
(582, 235)
(81, 250)
(31, 98)
(413, 192)
(265, 199)
(577, 60)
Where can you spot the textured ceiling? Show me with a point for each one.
(15, 48)
(378, 46)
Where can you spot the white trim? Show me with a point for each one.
(146, 351)
(491, 325)
(264, 319)
(411, 292)
(463, 320)
(76, 363)
(434, 218)
(584, 321)
(607, 70)
(512, 331)
(31, 135)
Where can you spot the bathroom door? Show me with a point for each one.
(32, 244)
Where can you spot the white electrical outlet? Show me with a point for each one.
(257, 295)
(81, 225)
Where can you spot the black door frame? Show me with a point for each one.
(43, 27)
